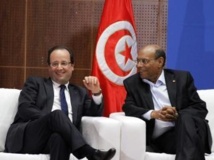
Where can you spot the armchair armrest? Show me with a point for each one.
(102, 133)
(133, 136)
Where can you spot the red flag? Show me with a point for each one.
(115, 51)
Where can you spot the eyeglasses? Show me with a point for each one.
(143, 61)
(56, 64)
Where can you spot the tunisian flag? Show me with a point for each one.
(115, 51)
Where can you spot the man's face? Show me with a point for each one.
(60, 68)
(148, 66)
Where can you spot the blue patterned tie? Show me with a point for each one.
(64, 105)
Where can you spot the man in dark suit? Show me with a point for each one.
(167, 100)
(41, 126)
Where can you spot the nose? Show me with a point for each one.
(139, 64)
(59, 66)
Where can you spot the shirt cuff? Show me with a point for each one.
(147, 115)
(98, 99)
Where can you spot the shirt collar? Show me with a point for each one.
(160, 80)
(57, 84)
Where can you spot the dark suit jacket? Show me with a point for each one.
(182, 94)
(36, 100)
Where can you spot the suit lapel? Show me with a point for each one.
(50, 94)
(171, 86)
(74, 102)
(144, 90)
(147, 94)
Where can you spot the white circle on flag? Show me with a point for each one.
(126, 64)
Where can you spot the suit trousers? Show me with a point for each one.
(53, 133)
(188, 139)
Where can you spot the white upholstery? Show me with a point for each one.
(100, 132)
(12, 156)
(137, 131)
(138, 136)
(208, 97)
(8, 103)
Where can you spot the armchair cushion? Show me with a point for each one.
(102, 133)
(8, 109)
(208, 96)
(132, 132)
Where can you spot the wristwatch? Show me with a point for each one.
(98, 93)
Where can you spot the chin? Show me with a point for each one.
(60, 81)
(142, 76)
(63, 81)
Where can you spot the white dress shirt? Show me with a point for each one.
(160, 99)
(57, 104)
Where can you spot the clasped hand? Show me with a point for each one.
(92, 83)
(167, 113)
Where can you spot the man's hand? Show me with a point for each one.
(92, 83)
(167, 113)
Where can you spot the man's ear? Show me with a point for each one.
(160, 61)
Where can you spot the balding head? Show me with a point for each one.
(150, 48)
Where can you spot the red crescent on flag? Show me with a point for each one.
(116, 48)
(110, 53)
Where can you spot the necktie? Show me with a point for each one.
(63, 102)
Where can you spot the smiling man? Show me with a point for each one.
(50, 111)
(167, 100)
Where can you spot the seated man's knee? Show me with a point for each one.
(56, 137)
(185, 119)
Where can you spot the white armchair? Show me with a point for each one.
(100, 132)
(132, 137)
(133, 133)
